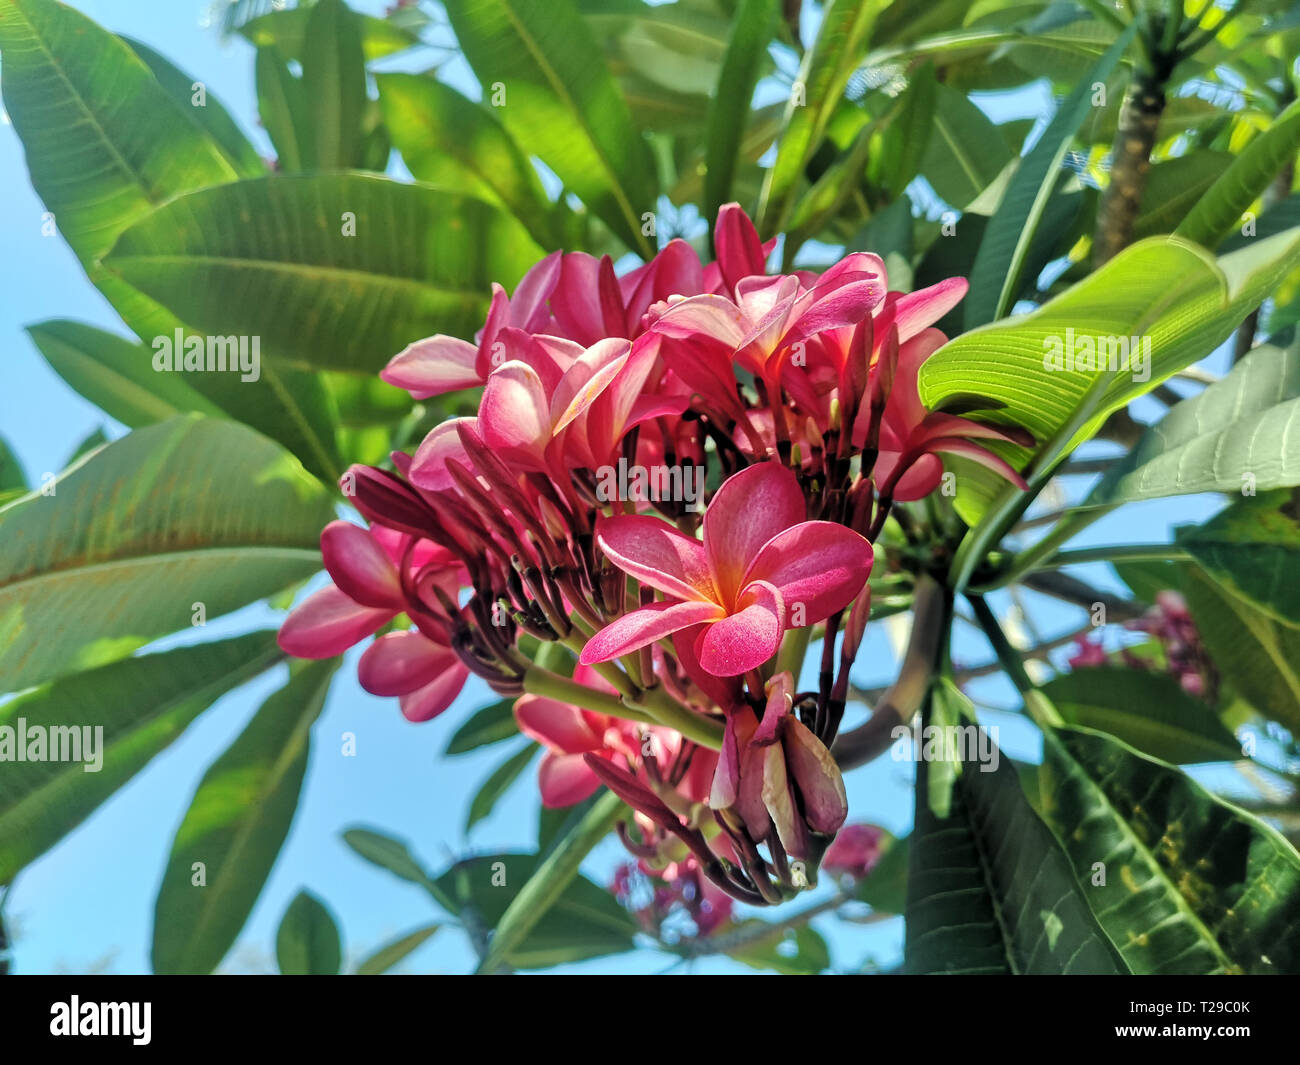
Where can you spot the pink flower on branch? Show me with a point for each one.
(762, 569)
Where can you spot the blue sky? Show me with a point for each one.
(88, 903)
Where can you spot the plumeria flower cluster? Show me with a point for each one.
(1169, 623)
(654, 648)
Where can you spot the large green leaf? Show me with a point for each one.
(989, 889)
(394, 855)
(447, 139)
(137, 534)
(730, 107)
(1182, 881)
(286, 31)
(1251, 172)
(307, 941)
(422, 261)
(1148, 711)
(1253, 550)
(827, 66)
(1244, 424)
(789, 951)
(561, 103)
(282, 105)
(1174, 186)
(1258, 656)
(497, 784)
(334, 84)
(105, 143)
(232, 833)
(965, 153)
(205, 110)
(142, 704)
(116, 374)
(1164, 291)
(1005, 248)
(581, 920)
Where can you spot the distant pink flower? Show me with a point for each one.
(855, 851)
(761, 570)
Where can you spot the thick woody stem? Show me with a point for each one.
(1139, 117)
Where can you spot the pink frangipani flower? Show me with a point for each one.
(761, 570)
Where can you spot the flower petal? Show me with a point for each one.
(818, 778)
(514, 412)
(400, 662)
(433, 366)
(327, 623)
(739, 251)
(633, 631)
(565, 779)
(656, 554)
(917, 310)
(560, 726)
(748, 510)
(360, 566)
(431, 700)
(746, 639)
(818, 566)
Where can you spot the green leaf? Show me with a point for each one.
(966, 154)
(576, 920)
(545, 887)
(116, 374)
(446, 139)
(307, 942)
(364, 401)
(106, 143)
(730, 107)
(1148, 711)
(561, 103)
(282, 105)
(210, 115)
(138, 533)
(1174, 186)
(846, 26)
(422, 261)
(497, 784)
(491, 724)
(989, 889)
(394, 855)
(1253, 550)
(334, 84)
(1257, 655)
(884, 889)
(1163, 290)
(142, 704)
(791, 952)
(1005, 248)
(235, 826)
(286, 31)
(1244, 424)
(1251, 172)
(11, 470)
(92, 441)
(1191, 884)
(392, 954)
(909, 132)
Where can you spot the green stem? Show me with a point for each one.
(666, 710)
(1032, 557)
(1117, 553)
(1038, 705)
(793, 648)
(538, 681)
